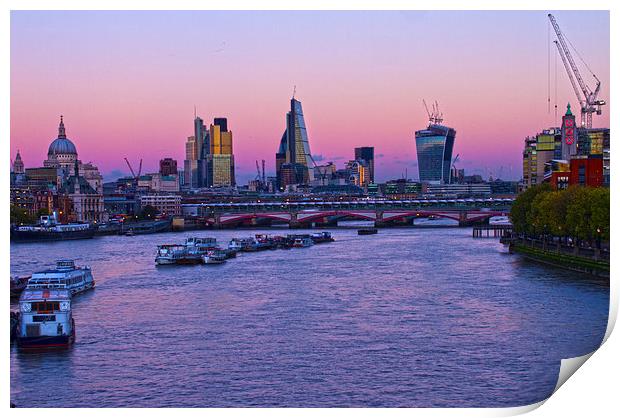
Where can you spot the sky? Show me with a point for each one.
(127, 82)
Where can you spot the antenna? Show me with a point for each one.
(194, 111)
(294, 90)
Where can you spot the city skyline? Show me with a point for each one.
(119, 92)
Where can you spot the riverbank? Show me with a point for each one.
(589, 261)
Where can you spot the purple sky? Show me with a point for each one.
(127, 82)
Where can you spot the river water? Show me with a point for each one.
(404, 318)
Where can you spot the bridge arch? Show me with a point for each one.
(355, 214)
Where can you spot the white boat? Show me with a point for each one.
(65, 276)
(243, 244)
(499, 220)
(168, 254)
(215, 257)
(302, 242)
(200, 245)
(45, 319)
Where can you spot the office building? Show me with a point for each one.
(294, 147)
(168, 166)
(536, 152)
(367, 154)
(166, 204)
(221, 161)
(434, 148)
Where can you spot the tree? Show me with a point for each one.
(599, 220)
(42, 212)
(148, 212)
(579, 212)
(519, 213)
(20, 216)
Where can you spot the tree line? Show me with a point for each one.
(578, 213)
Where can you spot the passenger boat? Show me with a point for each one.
(321, 237)
(18, 284)
(168, 254)
(265, 242)
(48, 229)
(243, 244)
(65, 276)
(45, 319)
(303, 241)
(200, 245)
(215, 257)
(367, 231)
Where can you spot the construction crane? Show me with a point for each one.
(264, 182)
(136, 177)
(589, 102)
(434, 117)
(454, 166)
(258, 176)
(322, 173)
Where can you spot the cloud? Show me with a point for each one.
(114, 175)
(408, 163)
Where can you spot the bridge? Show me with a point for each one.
(301, 214)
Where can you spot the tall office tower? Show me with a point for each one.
(569, 135)
(221, 158)
(190, 167)
(202, 137)
(204, 150)
(294, 147)
(367, 154)
(434, 147)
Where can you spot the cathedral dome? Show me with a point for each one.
(61, 145)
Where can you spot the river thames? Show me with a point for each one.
(405, 318)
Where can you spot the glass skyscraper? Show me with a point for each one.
(434, 147)
(294, 147)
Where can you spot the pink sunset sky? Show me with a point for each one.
(127, 82)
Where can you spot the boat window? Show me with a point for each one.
(45, 306)
(44, 318)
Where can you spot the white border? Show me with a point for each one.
(592, 392)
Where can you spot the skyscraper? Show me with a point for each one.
(367, 154)
(209, 159)
(434, 147)
(190, 168)
(294, 146)
(221, 161)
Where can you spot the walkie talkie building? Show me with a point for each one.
(434, 147)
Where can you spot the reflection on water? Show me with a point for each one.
(407, 317)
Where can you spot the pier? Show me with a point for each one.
(491, 231)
